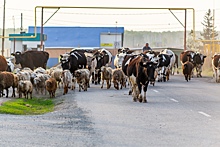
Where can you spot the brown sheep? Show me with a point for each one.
(82, 78)
(118, 76)
(187, 70)
(25, 87)
(51, 86)
(7, 80)
(106, 75)
(57, 74)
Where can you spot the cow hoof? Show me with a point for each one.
(144, 101)
(129, 93)
(134, 100)
(140, 98)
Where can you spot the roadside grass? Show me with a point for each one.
(208, 72)
(21, 106)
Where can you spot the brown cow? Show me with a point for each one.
(186, 56)
(140, 72)
(3, 64)
(216, 67)
(187, 70)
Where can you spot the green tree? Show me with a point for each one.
(191, 44)
(209, 32)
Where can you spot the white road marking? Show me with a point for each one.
(174, 100)
(155, 91)
(205, 114)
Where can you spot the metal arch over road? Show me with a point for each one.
(122, 8)
(75, 7)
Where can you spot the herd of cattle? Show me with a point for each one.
(81, 66)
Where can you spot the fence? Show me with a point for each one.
(209, 50)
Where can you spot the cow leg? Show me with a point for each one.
(93, 77)
(134, 93)
(186, 77)
(140, 97)
(145, 91)
(133, 87)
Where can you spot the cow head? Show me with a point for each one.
(164, 60)
(190, 56)
(151, 66)
(198, 59)
(100, 60)
(18, 57)
(65, 64)
(144, 59)
(120, 59)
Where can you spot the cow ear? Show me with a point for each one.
(119, 50)
(61, 56)
(13, 54)
(204, 56)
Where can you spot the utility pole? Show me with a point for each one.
(3, 31)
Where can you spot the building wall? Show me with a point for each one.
(16, 46)
(32, 44)
(54, 55)
(62, 39)
(75, 36)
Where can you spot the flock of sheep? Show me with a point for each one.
(40, 81)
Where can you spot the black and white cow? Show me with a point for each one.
(140, 72)
(163, 67)
(172, 60)
(119, 57)
(76, 60)
(153, 56)
(103, 58)
(198, 61)
(127, 59)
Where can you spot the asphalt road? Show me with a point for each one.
(178, 113)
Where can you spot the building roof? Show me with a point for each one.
(62, 36)
(37, 38)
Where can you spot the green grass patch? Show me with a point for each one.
(21, 106)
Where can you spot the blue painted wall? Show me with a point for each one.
(74, 36)
(52, 61)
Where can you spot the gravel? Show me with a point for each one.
(68, 125)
